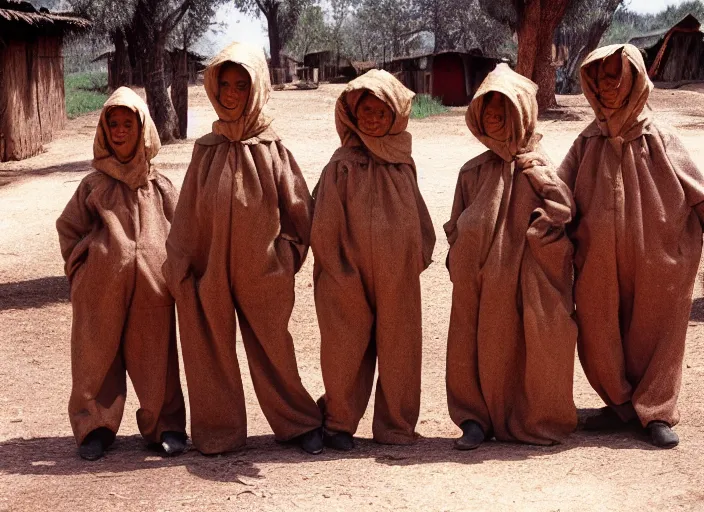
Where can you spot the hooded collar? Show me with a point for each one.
(138, 171)
(395, 146)
(632, 117)
(521, 112)
(253, 123)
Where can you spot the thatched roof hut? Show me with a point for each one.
(195, 65)
(32, 103)
(675, 54)
(452, 76)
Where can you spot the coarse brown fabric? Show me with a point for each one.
(112, 235)
(240, 234)
(372, 237)
(511, 342)
(638, 240)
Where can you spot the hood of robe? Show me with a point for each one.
(521, 112)
(616, 122)
(253, 123)
(395, 146)
(137, 172)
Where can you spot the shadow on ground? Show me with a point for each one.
(34, 293)
(58, 456)
(8, 176)
(697, 312)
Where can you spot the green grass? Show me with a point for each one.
(424, 105)
(85, 92)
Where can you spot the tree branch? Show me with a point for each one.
(175, 17)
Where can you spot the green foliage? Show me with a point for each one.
(424, 105)
(85, 92)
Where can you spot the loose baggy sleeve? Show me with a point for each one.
(295, 204)
(74, 226)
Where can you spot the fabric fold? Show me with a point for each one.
(240, 233)
(372, 236)
(638, 240)
(511, 341)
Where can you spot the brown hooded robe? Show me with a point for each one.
(511, 342)
(372, 237)
(638, 241)
(112, 235)
(240, 234)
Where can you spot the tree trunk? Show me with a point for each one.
(537, 22)
(179, 90)
(121, 70)
(272, 20)
(544, 75)
(160, 106)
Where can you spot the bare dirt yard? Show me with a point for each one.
(39, 466)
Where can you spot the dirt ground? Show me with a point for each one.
(39, 467)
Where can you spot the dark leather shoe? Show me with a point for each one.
(661, 435)
(92, 447)
(472, 436)
(342, 441)
(312, 442)
(173, 443)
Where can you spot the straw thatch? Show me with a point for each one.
(25, 15)
(32, 102)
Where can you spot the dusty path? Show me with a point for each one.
(39, 469)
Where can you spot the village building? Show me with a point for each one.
(451, 76)
(675, 54)
(32, 102)
(195, 65)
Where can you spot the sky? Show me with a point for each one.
(240, 27)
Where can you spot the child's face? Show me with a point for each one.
(612, 78)
(123, 131)
(374, 117)
(494, 118)
(233, 89)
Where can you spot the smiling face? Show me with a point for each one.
(374, 117)
(234, 85)
(123, 132)
(612, 79)
(494, 117)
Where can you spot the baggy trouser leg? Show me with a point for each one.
(347, 348)
(207, 326)
(98, 372)
(286, 404)
(151, 358)
(464, 392)
(399, 338)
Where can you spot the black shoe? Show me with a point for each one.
(661, 435)
(93, 446)
(472, 436)
(173, 443)
(312, 442)
(342, 441)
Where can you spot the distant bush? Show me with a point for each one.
(424, 105)
(85, 92)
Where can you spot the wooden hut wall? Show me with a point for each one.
(31, 95)
(683, 58)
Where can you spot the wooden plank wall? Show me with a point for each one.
(32, 100)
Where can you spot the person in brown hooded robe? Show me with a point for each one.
(638, 240)
(372, 237)
(511, 342)
(240, 233)
(112, 235)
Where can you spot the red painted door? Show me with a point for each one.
(448, 79)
